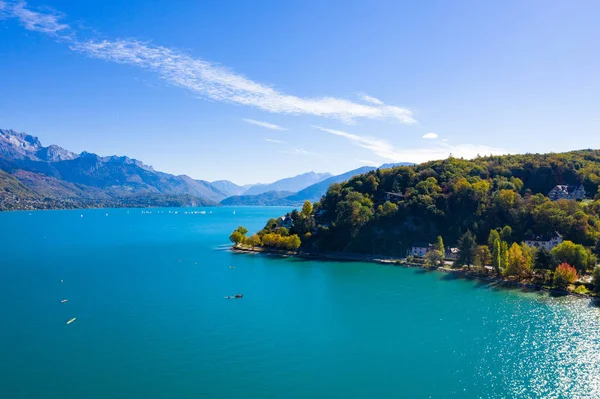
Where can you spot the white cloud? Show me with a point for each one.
(47, 22)
(275, 141)
(386, 150)
(204, 78)
(371, 100)
(267, 125)
(214, 82)
(430, 136)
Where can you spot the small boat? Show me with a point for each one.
(234, 212)
(239, 295)
(64, 300)
(107, 214)
(61, 280)
(228, 297)
(72, 320)
(82, 215)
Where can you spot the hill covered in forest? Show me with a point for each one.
(384, 211)
(376, 211)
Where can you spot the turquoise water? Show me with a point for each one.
(147, 291)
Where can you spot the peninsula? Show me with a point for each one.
(488, 215)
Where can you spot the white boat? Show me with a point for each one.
(72, 320)
(64, 300)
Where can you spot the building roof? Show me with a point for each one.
(543, 237)
(567, 189)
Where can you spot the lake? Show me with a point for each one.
(147, 290)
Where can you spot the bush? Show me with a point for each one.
(581, 290)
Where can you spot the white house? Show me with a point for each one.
(567, 192)
(544, 241)
(420, 249)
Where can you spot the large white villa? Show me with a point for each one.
(544, 241)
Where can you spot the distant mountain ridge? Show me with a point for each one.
(291, 184)
(55, 175)
(38, 177)
(311, 193)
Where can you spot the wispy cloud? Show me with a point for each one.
(431, 136)
(367, 162)
(371, 100)
(440, 150)
(300, 151)
(275, 141)
(379, 147)
(204, 78)
(214, 82)
(46, 22)
(266, 125)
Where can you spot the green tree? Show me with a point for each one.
(253, 240)
(545, 260)
(517, 263)
(529, 256)
(504, 255)
(237, 238)
(283, 232)
(434, 258)
(387, 209)
(307, 209)
(294, 242)
(439, 245)
(596, 279)
(492, 238)
(564, 275)
(466, 249)
(483, 257)
(574, 254)
(506, 233)
(497, 257)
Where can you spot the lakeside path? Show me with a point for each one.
(459, 273)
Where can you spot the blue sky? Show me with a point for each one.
(256, 91)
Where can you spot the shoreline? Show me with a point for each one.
(382, 260)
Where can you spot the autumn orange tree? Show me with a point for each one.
(564, 275)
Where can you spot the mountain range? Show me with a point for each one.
(36, 177)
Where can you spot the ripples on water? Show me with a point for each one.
(551, 349)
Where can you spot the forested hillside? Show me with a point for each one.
(386, 210)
